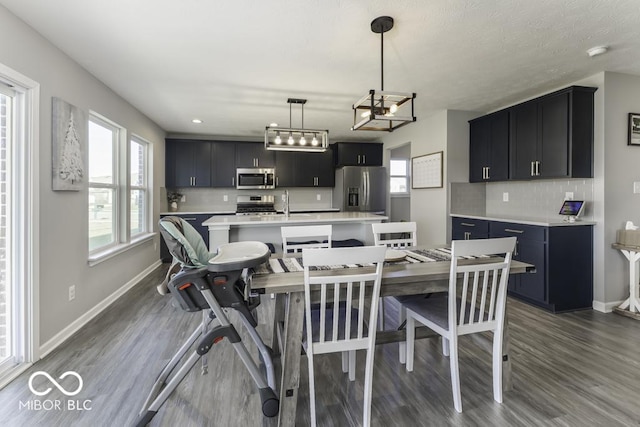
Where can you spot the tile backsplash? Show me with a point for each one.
(525, 198)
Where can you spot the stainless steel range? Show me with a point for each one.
(255, 205)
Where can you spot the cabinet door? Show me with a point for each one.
(469, 229)
(498, 147)
(523, 141)
(223, 164)
(532, 285)
(347, 154)
(285, 165)
(170, 166)
(201, 160)
(479, 137)
(371, 154)
(183, 160)
(553, 151)
(253, 155)
(324, 170)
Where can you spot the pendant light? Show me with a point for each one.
(296, 140)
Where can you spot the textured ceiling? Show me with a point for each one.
(233, 64)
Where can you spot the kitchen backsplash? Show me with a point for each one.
(213, 200)
(526, 198)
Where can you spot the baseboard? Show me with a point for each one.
(605, 307)
(64, 334)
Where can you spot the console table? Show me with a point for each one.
(631, 306)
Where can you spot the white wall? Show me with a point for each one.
(64, 215)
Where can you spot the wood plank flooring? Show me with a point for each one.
(574, 369)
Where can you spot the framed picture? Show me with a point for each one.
(68, 140)
(426, 170)
(634, 129)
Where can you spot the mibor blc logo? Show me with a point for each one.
(45, 389)
(55, 383)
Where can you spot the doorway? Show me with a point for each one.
(400, 183)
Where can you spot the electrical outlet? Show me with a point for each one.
(183, 198)
(225, 198)
(636, 187)
(318, 197)
(505, 197)
(568, 195)
(72, 292)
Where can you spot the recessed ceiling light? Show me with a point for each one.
(598, 50)
(273, 125)
(196, 121)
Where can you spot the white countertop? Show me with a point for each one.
(213, 212)
(554, 221)
(294, 218)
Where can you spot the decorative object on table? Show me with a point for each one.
(68, 142)
(173, 198)
(385, 111)
(630, 236)
(426, 170)
(634, 129)
(296, 139)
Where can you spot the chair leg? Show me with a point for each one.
(368, 388)
(345, 361)
(352, 365)
(497, 366)
(445, 346)
(312, 391)
(411, 338)
(402, 349)
(455, 373)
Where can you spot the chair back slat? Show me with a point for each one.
(468, 310)
(382, 234)
(340, 298)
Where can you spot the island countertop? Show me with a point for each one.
(294, 218)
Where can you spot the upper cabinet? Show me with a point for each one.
(552, 136)
(223, 165)
(304, 169)
(254, 155)
(489, 147)
(357, 154)
(547, 137)
(187, 163)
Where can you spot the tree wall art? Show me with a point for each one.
(69, 141)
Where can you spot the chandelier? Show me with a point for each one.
(383, 111)
(296, 139)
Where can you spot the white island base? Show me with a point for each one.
(266, 228)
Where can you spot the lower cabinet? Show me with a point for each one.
(562, 256)
(469, 228)
(196, 221)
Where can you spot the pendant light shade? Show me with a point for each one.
(380, 110)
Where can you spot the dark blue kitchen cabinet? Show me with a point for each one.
(187, 163)
(357, 154)
(304, 169)
(254, 155)
(489, 147)
(469, 228)
(223, 164)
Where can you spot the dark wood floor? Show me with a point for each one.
(573, 369)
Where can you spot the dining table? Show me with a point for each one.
(421, 274)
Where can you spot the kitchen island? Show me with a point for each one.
(266, 228)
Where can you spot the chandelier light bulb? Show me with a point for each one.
(303, 141)
(290, 141)
(393, 108)
(314, 141)
(278, 139)
(366, 114)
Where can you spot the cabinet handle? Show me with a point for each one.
(511, 230)
(364, 159)
(488, 172)
(515, 251)
(194, 181)
(233, 181)
(277, 181)
(467, 234)
(537, 168)
(358, 158)
(466, 224)
(188, 219)
(532, 168)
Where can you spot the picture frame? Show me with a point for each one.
(634, 129)
(68, 145)
(426, 171)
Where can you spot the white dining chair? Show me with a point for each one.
(297, 238)
(396, 235)
(475, 303)
(346, 317)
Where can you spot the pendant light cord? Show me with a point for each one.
(382, 61)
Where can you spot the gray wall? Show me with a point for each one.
(63, 219)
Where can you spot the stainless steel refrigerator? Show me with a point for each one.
(361, 189)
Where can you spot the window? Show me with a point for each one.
(103, 185)
(119, 195)
(138, 209)
(399, 176)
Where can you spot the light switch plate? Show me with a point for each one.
(505, 196)
(636, 187)
(318, 197)
(568, 195)
(225, 198)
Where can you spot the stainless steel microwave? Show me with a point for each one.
(255, 178)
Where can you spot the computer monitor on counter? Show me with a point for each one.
(572, 209)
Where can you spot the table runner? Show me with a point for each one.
(286, 265)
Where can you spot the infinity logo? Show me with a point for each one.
(55, 383)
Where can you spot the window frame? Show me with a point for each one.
(144, 187)
(407, 178)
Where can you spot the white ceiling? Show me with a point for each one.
(234, 63)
